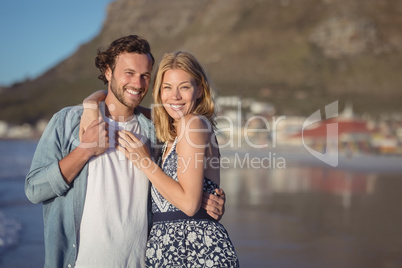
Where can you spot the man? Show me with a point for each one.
(95, 201)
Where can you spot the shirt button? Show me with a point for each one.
(69, 266)
(73, 245)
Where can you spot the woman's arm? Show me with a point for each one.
(186, 193)
(91, 109)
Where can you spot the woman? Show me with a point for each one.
(182, 234)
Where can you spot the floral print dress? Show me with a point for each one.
(177, 240)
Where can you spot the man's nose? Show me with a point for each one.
(136, 81)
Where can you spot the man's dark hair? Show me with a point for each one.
(126, 44)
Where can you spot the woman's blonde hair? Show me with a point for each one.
(164, 124)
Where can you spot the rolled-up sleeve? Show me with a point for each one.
(44, 180)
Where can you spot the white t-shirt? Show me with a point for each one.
(114, 224)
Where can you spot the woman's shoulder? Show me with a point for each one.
(195, 128)
(196, 121)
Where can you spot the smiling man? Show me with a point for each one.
(129, 81)
(95, 202)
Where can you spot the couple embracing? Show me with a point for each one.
(92, 172)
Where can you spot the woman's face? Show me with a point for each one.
(179, 93)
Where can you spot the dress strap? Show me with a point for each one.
(164, 157)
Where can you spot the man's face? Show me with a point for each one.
(130, 79)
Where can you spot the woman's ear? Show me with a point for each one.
(200, 91)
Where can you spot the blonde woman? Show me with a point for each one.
(182, 233)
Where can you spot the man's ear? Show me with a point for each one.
(108, 73)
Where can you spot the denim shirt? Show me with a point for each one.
(63, 204)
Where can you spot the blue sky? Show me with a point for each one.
(37, 34)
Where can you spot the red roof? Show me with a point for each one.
(344, 127)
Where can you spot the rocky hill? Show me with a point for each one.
(297, 54)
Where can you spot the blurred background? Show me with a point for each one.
(273, 64)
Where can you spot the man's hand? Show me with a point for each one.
(91, 112)
(96, 137)
(214, 205)
(95, 140)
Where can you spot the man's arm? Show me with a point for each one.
(95, 140)
(52, 170)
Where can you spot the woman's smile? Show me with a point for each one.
(179, 93)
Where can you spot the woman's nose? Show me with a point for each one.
(177, 95)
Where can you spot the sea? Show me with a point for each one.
(284, 208)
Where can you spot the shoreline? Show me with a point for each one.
(298, 156)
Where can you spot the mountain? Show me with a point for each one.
(297, 54)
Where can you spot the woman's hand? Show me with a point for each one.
(133, 149)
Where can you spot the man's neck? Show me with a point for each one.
(117, 111)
